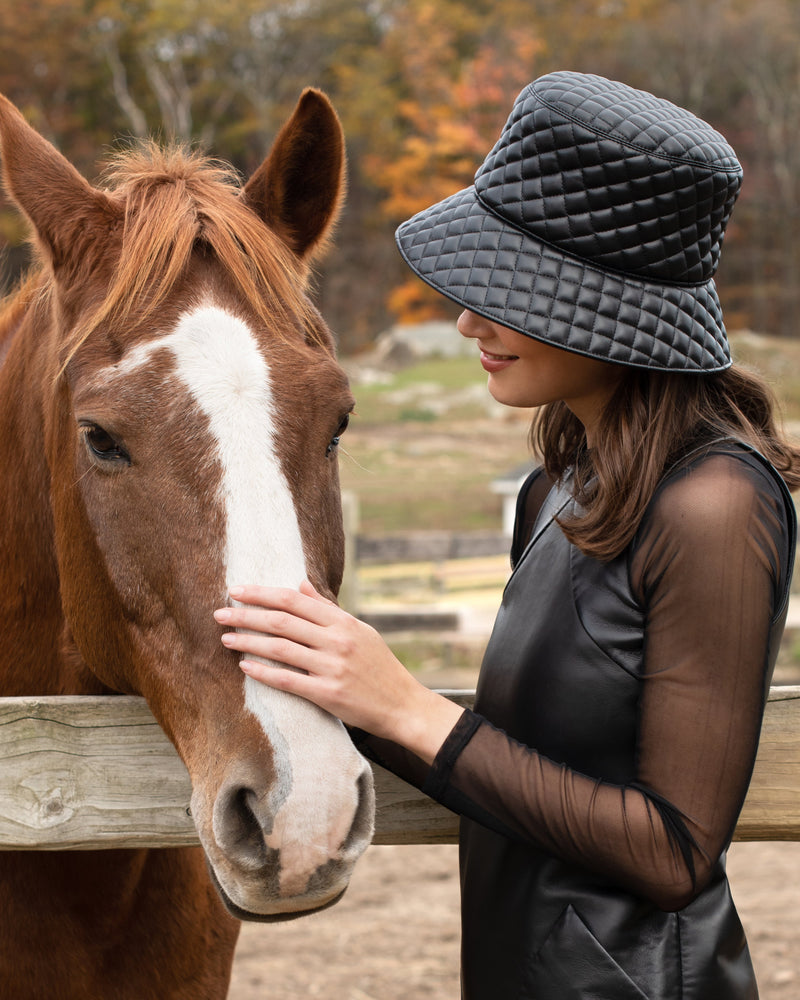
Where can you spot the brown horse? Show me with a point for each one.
(170, 406)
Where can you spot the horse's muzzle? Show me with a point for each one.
(274, 857)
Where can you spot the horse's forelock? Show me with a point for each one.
(175, 200)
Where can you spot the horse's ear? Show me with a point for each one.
(298, 190)
(67, 213)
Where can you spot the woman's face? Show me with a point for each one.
(526, 372)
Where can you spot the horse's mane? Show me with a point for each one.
(13, 308)
(176, 199)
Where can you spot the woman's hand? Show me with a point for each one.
(347, 668)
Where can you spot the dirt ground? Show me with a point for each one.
(395, 934)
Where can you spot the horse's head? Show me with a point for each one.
(190, 407)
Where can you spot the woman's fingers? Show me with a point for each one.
(281, 624)
(302, 683)
(271, 622)
(273, 648)
(306, 587)
(340, 663)
(279, 610)
(305, 603)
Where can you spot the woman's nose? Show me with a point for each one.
(468, 324)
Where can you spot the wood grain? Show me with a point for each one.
(79, 773)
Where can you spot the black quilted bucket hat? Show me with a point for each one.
(595, 224)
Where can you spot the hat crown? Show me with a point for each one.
(614, 176)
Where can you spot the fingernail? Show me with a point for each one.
(236, 591)
(222, 615)
(228, 638)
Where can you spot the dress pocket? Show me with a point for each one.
(573, 965)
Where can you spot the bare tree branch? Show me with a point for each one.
(119, 80)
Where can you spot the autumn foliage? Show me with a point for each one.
(423, 88)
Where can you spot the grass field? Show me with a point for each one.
(423, 447)
(426, 442)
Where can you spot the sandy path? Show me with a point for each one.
(395, 935)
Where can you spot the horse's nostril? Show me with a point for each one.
(364, 821)
(238, 829)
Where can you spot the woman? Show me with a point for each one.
(617, 716)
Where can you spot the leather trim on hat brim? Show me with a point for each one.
(472, 256)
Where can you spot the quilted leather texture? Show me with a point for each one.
(595, 223)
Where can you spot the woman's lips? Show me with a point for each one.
(496, 362)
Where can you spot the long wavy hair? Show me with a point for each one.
(649, 423)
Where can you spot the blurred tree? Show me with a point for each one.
(47, 69)
(216, 72)
(423, 88)
(446, 77)
(210, 69)
(739, 68)
(770, 103)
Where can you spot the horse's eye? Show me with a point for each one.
(334, 443)
(103, 446)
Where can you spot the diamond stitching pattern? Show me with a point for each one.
(595, 223)
(571, 166)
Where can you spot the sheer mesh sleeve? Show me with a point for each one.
(708, 567)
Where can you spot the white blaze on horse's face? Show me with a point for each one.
(315, 817)
(168, 404)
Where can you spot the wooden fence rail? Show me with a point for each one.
(79, 773)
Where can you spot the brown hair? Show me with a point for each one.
(651, 420)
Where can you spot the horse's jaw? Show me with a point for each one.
(267, 918)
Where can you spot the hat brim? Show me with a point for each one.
(471, 255)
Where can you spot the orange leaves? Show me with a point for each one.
(456, 75)
(413, 302)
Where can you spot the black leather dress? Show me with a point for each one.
(616, 723)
